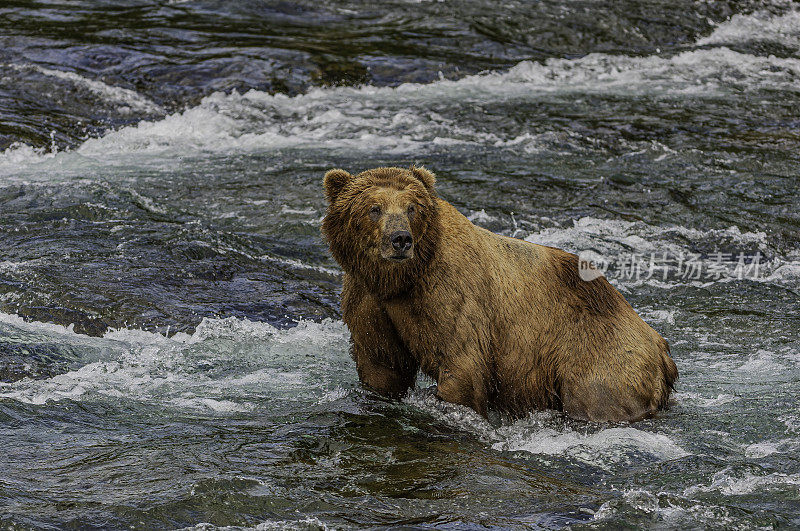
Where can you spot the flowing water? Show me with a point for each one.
(171, 349)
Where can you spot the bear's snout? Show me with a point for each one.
(401, 240)
(397, 243)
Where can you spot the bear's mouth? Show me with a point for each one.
(399, 257)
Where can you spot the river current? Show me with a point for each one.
(171, 349)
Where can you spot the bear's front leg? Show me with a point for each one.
(392, 382)
(383, 362)
(463, 384)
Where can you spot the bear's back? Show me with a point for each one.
(558, 341)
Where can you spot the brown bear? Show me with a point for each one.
(498, 322)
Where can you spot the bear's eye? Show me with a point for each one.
(375, 212)
(411, 210)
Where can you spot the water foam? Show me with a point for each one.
(670, 511)
(604, 448)
(225, 366)
(732, 483)
(706, 402)
(760, 365)
(305, 524)
(760, 26)
(548, 433)
(766, 448)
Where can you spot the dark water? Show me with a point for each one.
(171, 353)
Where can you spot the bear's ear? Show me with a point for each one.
(426, 177)
(335, 180)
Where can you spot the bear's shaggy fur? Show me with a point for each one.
(497, 322)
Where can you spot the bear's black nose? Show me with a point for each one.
(401, 240)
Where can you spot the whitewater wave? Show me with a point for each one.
(766, 448)
(699, 400)
(304, 524)
(604, 448)
(667, 511)
(732, 483)
(401, 120)
(226, 366)
(761, 26)
(547, 433)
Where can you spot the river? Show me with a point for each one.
(171, 348)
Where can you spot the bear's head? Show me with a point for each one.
(382, 225)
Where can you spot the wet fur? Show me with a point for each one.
(497, 322)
